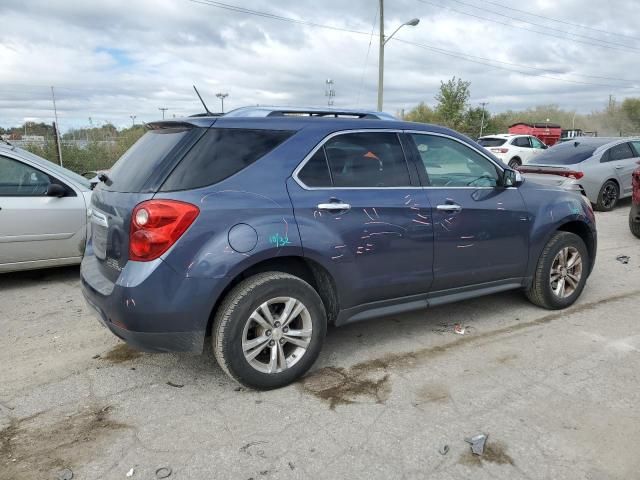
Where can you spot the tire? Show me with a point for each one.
(608, 196)
(634, 224)
(541, 292)
(234, 329)
(515, 162)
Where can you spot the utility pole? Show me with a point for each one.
(133, 120)
(484, 104)
(329, 92)
(222, 96)
(163, 109)
(55, 113)
(381, 57)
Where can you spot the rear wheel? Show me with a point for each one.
(269, 330)
(515, 162)
(634, 221)
(561, 272)
(608, 196)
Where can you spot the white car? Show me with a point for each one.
(514, 150)
(43, 212)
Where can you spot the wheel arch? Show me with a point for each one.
(582, 230)
(309, 270)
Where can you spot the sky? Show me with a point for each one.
(113, 59)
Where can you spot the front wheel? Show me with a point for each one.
(608, 196)
(269, 330)
(561, 272)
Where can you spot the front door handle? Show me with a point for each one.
(449, 207)
(334, 206)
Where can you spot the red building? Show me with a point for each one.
(549, 133)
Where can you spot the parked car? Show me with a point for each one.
(43, 212)
(514, 150)
(264, 230)
(600, 167)
(634, 214)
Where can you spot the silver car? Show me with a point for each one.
(601, 168)
(43, 212)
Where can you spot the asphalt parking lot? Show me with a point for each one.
(557, 392)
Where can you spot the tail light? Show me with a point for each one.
(156, 225)
(573, 174)
(499, 150)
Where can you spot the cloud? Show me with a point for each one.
(108, 60)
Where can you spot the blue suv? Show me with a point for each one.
(262, 226)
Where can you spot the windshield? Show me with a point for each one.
(492, 142)
(568, 153)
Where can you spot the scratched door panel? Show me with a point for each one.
(380, 248)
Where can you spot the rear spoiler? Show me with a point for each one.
(183, 123)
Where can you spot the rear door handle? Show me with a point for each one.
(449, 207)
(619, 167)
(334, 206)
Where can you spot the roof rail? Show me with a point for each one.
(307, 112)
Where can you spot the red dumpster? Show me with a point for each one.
(549, 133)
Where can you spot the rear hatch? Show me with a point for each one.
(135, 177)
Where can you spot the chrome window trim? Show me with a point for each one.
(385, 130)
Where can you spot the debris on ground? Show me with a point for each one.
(624, 259)
(477, 443)
(177, 385)
(444, 450)
(459, 329)
(95, 356)
(130, 473)
(163, 472)
(65, 474)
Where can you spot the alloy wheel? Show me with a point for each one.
(277, 334)
(609, 195)
(566, 272)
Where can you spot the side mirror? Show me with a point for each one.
(511, 178)
(56, 190)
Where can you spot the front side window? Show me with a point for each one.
(20, 180)
(522, 142)
(537, 143)
(367, 160)
(449, 163)
(636, 146)
(620, 152)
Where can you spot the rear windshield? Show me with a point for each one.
(567, 153)
(220, 153)
(492, 142)
(135, 167)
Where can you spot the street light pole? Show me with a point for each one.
(383, 41)
(163, 109)
(133, 120)
(484, 104)
(222, 96)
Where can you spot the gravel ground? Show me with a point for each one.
(557, 392)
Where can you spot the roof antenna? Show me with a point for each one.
(202, 101)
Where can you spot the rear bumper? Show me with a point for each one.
(150, 306)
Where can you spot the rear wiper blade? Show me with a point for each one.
(104, 178)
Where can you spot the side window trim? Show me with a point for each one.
(322, 143)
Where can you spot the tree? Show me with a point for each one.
(631, 108)
(421, 113)
(452, 101)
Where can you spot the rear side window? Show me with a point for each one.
(492, 142)
(620, 152)
(135, 167)
(220, 153)
(316, 171)
(367, 160)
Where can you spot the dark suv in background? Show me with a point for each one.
(263, 226)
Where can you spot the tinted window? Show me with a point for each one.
(521, 142)
(567, 153)
(367, 160)
(492, 142)
(449, 163)
(135, 167)
(315, 173)
(20, 180)
(537, 143)
(620, 152)
(220, 153)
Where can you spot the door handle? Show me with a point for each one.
(334, 206)
(449, 207)
(619, 167)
